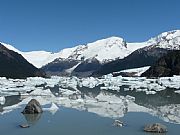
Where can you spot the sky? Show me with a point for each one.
(52, 25)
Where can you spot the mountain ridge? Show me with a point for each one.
(104, 50)
(90, 57)
(13, 65)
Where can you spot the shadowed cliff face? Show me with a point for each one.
(68, 67)
(168, 65)
(13, 65)
(59, 67)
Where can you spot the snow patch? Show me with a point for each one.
(137, 71)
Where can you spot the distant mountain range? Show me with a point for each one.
(104, 50)
(103, 56)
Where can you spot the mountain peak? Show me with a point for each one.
(167, 40)
(10, 47)
(111, 41)
(168, 35)
(103, 50)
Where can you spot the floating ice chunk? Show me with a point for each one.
(150, 92)
(177, 91)
(89, 82)
(67, 92)
(3, 78)
(69, 82)
(171, 82)
(40, 92)
(2, 100)
(43, 100)
(80, 100)
(133, 107)
(53, 109)
(169, 113)
(116, 88)
(10, 108)
(91, 101)
(126, 89)
(131, 98)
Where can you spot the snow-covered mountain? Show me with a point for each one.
(104, 50)
(167, 40)
(85, 59)
(146, 56)
(37, 58)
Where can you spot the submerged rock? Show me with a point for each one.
(24, 126)
(118, 123)
(157, 128)
(33, 107)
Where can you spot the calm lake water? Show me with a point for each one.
(68, 121)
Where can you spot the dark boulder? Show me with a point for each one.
(33, 107)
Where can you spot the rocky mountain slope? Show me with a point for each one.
(13, 65)
(168, 65)
(139, 58)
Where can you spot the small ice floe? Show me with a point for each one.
(2, 100)
(41, 92)
(177, 91)
(8, 109)
(115, 88)
(150, 92)
(118, 123)
(53, 109)
(89, 82)
(130, 98)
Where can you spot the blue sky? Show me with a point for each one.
(52, 25)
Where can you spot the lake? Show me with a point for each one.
(85, 110)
